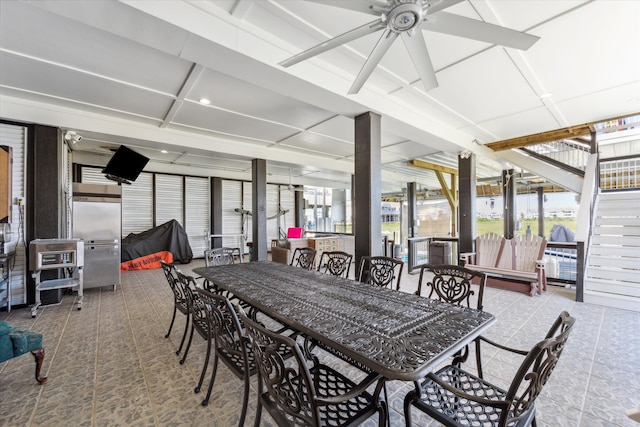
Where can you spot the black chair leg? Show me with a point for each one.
(204, 367)
(407, 407)
(205, 402)
(173, 318)
(184, 335)
(245, 402)
(186, 350)
(258, 413)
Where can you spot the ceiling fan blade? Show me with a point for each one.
(419, 54)
(347, 37)
(438, 5)
(385, 42)
(363, 6)
(457, 25)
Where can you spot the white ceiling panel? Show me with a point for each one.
(522, 123)
(602, 50)
(319, 144)
(208, 117)
(338, 127)
(593, 107)
(82, 47)
(408, 149)
(140, 68)
(484, 87)
(523, 15)
(229, 93)
(53, 80)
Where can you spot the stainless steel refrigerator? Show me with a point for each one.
(97, 219)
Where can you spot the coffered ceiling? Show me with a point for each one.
(134, 72)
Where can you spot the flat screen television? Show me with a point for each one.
(125, 165)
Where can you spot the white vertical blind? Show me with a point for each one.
(137, 205)
(169, 199)
(16, 137)
(247, 203)
(287, 202)
(91, 175)
(272, 213)
(197, 213)
(231, 220)
(66, 183)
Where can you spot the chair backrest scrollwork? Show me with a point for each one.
(219, 256)
(336, 263)
(381, 271)
(452, 284)
(304, 258)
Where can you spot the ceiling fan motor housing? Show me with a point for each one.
(404, 15)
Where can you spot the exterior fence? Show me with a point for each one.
(561, 262)
(431, 250)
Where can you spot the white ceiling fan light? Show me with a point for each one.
(405, 18)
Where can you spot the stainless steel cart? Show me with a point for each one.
(62, 254)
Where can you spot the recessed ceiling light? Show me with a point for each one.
(546, 95)
(164, 151)
(204, 101)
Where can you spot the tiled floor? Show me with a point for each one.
(110, 365)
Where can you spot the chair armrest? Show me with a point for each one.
(504, 405)
(503, 347)
(467, 257)
(360, 388)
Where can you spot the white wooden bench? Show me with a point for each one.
(515, 264)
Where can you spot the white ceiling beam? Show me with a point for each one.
(554, 174)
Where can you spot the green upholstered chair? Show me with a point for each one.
(16, 341)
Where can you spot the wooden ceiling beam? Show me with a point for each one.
(571, 132)
(542, 137)
(432, 166)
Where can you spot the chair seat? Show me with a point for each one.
(235, 360)
(446, 407)
(328, 383)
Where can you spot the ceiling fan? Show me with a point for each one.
(291, 187)
(406, 18)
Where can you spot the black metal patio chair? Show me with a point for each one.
(380, 271)
(304, 258)
(180, 300)
(188, 286)
(219, 256)
(455, 397)
(455, 285)
(301, 390)
(223, 331)
(336, 263)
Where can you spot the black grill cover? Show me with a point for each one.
(169, 236)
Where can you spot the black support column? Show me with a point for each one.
(509, 197)
(298, 200)
(412, 210)
(216, 212)
(259, 208)
(541, 211)
(45, 216)
(467, 202)
(367, 189)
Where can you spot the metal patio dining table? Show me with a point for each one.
(398, 335)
